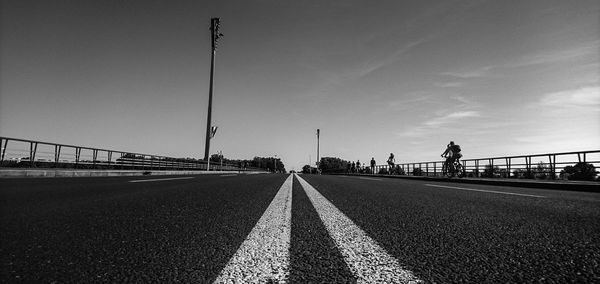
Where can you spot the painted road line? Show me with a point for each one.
(159, 179)
(488, 191)
(369, 262)
(377, 179)
(264, 257)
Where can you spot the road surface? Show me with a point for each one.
(294, 229)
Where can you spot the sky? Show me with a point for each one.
(497, 77)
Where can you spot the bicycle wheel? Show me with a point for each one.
(460, 172)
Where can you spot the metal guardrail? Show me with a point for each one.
(543, 166)
(22, 153)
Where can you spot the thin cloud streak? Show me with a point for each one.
(585, 97)
(469, 74)
(450, 118)
(553, 56)
(539, 58)
(349, 74)
(433, 125)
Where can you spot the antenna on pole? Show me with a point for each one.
(214, 35)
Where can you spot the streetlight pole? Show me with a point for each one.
(318, 160)
(215, 35)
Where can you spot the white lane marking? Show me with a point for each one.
(231, 175)
(265, 254)
(369, 262)
(489, 191)
(377, 179)
(159, 179)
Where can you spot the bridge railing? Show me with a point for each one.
(22, 153)
(540, 166)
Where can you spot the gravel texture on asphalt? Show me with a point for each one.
(446, 235)
(368, 262)
(264, 255)
(107, 230)
(314, 257)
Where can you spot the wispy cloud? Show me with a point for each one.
(409, 101)
(584, 97)
(434, 124)
(553, 56)
(454, 112)
(376, 64)
(590, 48)
(449, 84)
(468, 74)
(587, 49)
(450, 118)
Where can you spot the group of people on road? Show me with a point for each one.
(452, 154)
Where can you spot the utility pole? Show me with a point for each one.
(318, 160)
(215, 35)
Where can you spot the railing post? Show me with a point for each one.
(77, 155)
(94, 157)
(32, 151)
(4, 145)
(508, 161)
(528, 166)
(552, 165)
(110, 158)
(57, 149)
(477, 168)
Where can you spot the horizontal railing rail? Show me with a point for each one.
(23, 153)
(540, 166)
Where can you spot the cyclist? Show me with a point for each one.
(372, 165)
(451, 154)
(391, 161)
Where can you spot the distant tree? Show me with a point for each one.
(399, 170)
(215, 158)
(521, 173)
(333, 165)
(580, 171)
(306, 169)
(541, 171)
(490, 171)
(417, 172)
(268, 163)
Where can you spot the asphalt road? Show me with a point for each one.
(188, 228)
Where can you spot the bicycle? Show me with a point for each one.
(455, 169)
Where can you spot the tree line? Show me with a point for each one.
(272, 164)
